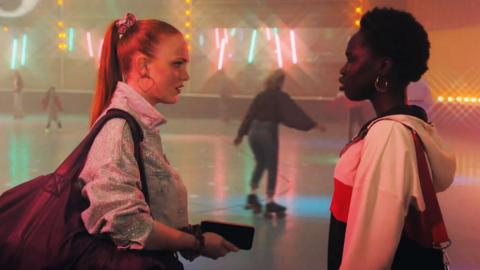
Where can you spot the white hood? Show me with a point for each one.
(441, 158)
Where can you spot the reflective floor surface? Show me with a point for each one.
(217, 174)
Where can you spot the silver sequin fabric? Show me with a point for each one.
(112, 179)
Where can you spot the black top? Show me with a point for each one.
(274, 105)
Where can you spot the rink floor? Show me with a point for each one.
(217, 173)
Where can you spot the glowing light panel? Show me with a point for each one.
(13, 63)
(251, 53)
(89, 44)
(294, 48)
(222, 54)
(279, 49)
(71, 36)
(217, 38)
(23, 60)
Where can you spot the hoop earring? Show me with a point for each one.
(381, 88)
(145, 83)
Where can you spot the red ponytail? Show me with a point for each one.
(108, 74)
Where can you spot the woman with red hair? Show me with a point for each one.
(143, 63)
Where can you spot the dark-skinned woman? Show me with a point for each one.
(377, 180)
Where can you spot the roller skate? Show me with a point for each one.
(253, 203)
(274, 209)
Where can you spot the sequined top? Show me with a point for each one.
(112, 178)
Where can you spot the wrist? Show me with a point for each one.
(199, 243)
(195, 231)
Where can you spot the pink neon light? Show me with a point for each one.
(217, 38)
(269, 36)
(279, 51)
(89, 43)
(294, 48)
(222, 54)
(225, 34)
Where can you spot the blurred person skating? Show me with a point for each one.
(52, 105)
(17, 95)
(268, 109)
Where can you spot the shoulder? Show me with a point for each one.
(113, 136)
(387, 125)
(113, 146)
(283, 93)
(283, 96)
(387, 132)
(114, 125)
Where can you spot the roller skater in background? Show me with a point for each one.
(52, 105)
(17, 95)
(268, 109)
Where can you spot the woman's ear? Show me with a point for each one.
(385, 66)
(141, 64)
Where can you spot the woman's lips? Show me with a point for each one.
(179, 89)
(341, 87)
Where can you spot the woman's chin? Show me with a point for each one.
(352, 97)
(172, 100)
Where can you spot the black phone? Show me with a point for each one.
(240, 235)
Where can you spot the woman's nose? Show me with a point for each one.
(185, 76)
(342, 70)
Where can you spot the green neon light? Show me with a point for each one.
(24, 50)
(13, 63)
(251, 54)
(71, 36)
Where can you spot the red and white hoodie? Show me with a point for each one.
(376, 181)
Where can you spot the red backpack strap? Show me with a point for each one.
(426, 227)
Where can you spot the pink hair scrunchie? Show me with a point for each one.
(124, 24)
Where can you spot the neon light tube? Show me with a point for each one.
(222, 53)
(201, 39)
(71, 36)
(13, 63)
(251, 53)
(217, 38)
(89, 43)
(269, 36)
(294, 48)
(225, 34)
(24, 50)
(279, 49)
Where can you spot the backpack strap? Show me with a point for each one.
(427, 228)
(74, 163)
(431, 219)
